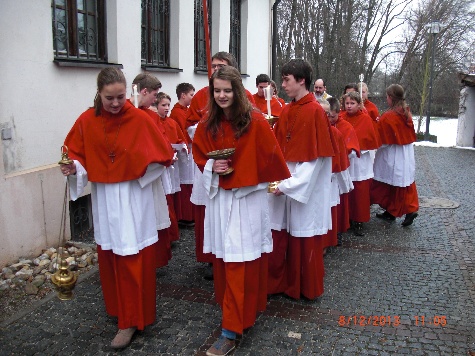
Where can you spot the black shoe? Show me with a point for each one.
(339, 238)
(358, 228)
(386, 216)
(209, 272)
(409, 219)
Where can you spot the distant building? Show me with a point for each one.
(51, 52)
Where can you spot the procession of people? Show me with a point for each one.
(268, 186)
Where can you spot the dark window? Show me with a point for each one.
(79, 30)
(235, 34)
(80, 217)
(200, 44)
(156, 33)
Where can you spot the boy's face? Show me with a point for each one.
(291, 86)
(261, 87)
(163, 107)
(187, 97)
(147, 98)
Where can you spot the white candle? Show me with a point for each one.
(136, 95)
(268, 96)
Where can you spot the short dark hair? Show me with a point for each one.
(147, 81)
(334, 104)
(262, 78)
(183, 88)
(350, 86)
(300, 69)
(228, 57)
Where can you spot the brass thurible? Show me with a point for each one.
(64, 156)
(64, 280)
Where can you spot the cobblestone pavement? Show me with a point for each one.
(416, 284)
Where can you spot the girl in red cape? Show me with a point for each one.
(237, 228)
(394, 187)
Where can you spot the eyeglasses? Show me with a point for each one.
(214, 66)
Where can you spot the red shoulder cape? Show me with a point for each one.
(363, 125)
(257, 158)
(349, 135)
(309, 129)
(136, 144)
(340, 161)
(275, 105)
(179, 114)
(395, 129)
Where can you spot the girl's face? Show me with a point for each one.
(351, 106)
(389, 100)
(113, 97)
(163, 108)
(223, 94)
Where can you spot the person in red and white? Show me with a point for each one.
(179, 113)
(237, 227)
(301, 205)
(394, 186)
(361, 169)
(121, 151)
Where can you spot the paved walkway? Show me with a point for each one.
(411, 289)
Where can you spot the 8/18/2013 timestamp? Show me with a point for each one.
(390, 320)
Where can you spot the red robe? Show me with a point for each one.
(340, 162)
(296, 264)
(183, 205)
(240, 287)
(395, 129)
(128, 282)
(368, 139)
(275, 105)
(196, 112)
(352, 144)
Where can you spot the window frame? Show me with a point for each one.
(235, 31)
(155, 35)
(200, 58)
(95, 52)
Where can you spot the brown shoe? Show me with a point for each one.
(123, 338)
(221, 347)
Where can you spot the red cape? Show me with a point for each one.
(372, 110)
(310, 134)
(257, 158)
(179, 114)
(349, 135)
(395, 129)
(136, 144)
(340, 161)
(363, 125)
(275, 105)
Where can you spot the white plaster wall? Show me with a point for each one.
(40, 101)
(466, 118)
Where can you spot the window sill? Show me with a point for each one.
(201, 71)
(84, 64)
(161, 69)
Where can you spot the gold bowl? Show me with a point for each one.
(271, 119)
(222, 154)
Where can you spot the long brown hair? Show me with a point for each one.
(241, 107)
(398, 99)
(109, 75)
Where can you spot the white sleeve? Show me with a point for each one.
(300, 186)
(77, 182)
(154, 170)
(210, 179)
